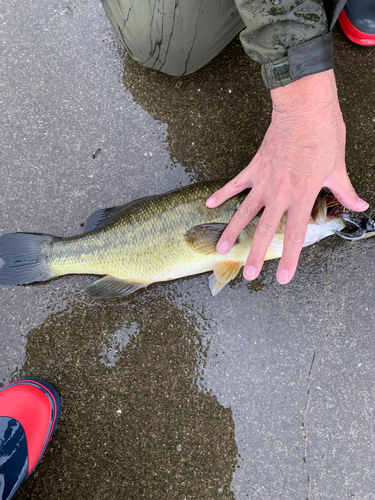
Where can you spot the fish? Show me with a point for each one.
(152, 239)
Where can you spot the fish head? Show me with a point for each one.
(324, 218)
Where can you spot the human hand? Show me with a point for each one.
(303, 150)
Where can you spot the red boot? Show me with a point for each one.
(29, 411)
(357, 20)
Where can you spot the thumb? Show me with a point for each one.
(345, 193)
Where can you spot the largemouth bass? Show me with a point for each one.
(158, 238)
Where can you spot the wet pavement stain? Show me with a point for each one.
(355, 75)
(208, 132)
(140, 428)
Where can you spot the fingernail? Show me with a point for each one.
(250, 273)
(283, 277)
(211, 201)
(223, 247)
(363, 204)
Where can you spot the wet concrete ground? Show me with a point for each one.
(264, 391)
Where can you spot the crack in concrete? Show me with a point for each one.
(304, 424)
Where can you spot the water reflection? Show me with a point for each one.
(133, 417)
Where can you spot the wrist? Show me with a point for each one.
(311, 101)
(317, 89)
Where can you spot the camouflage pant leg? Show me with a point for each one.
(176, 37)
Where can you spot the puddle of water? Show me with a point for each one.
(137, 425)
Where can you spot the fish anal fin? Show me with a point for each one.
(110, 287)
(223, 273)
(203, 238)
(215, 285)
(226, 271)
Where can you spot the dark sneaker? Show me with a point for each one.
(357, 20)
(29, 411)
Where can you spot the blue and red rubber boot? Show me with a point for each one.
(29, 411)
(357, 20)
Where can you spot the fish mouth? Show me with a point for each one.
(334, 207)
(326, 207)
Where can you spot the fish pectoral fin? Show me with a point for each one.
(223, 273)
(110, 287)
(203, 238)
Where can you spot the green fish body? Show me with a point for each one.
(158, 238)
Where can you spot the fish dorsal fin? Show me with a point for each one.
(226, 271)
(204, 237)
(223, 273)
(110, 287)
(106, 216)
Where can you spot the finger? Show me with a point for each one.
(239, 183)
(245, 214)
(295, 233)
(344, 191)
(263, 236)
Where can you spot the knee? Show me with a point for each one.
(176, 37)
(155, 35)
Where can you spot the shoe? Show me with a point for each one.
(29, 411)
(357, 20)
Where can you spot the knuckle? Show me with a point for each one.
(266, 229)
(245, 210)
(236, 182)
(241, 181)
(297, 237)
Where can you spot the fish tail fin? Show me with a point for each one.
(25, 258)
